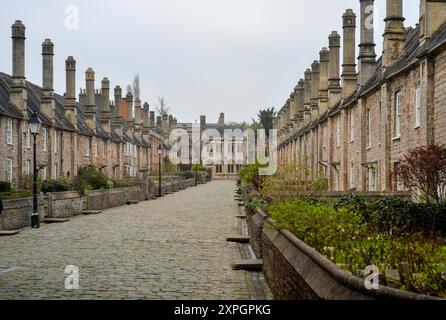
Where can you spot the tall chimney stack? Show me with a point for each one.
(367, 55)
(90, 106)
(105, 112)
(48, 105)
(334, 87)
(394, 34)
(117, 116)
(138, 118)
(432, 16)
(349, 75)
(159, 123)
(307, 93)
(300, 103)
(152, 119)
(221, 120)
(18, 94)
(324, 58)
(130, 121)
(70, 109)
(315, 79)
(146, 117)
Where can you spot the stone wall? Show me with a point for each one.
(64, 204)
(295, 271)
(104, 199)
(17, 213)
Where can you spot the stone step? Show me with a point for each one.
(238, 239)
(240, 204)
(131, 202)
(89, 212)
(241, 217)
(248, 265)
(55, 220)
(7, 233)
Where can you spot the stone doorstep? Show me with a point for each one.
(89, 212)
(241, 217)
(238, 239)
(55, 220)
(130, 202)
(241, 204)
(7, 233)
(248, 265)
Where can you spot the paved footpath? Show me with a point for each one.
(170, 248)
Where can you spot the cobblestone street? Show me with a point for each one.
(170, 248)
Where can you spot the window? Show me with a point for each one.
(95, 148)
(338, 132)
(55, 173)
(372, 179)
(28, 168)
(230, 168)
(55, 142)
(352, 126)
(87, 151)
(337, 181)
(369, 128)
(28, 138)
(44, 173)
(44, 139)
(352, 176)
(9, 170)
(417, 107)
(218, 168)
(9, 131)
(397, 122)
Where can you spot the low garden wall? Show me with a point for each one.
(17, 213)
(295, 271)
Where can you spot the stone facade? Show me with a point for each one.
(90, 130)
(391, 105)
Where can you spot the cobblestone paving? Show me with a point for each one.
(170, 248)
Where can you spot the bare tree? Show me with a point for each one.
(137, 87)
(162, 108)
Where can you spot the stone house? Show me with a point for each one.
(118, 137)
(363, 120)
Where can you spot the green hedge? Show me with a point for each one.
(5, 186)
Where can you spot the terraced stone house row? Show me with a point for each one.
(355, 127)
(118, 137)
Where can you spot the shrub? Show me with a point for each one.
(187, 174)
(292, 181)
(89, 178)
(58, 185)
(249, 175)
(252, 203)
(5, 186)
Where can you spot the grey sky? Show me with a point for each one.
(204, 56)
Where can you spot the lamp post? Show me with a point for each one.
(196, 175)
(34, 128)
(160, 152)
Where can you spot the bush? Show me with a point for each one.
(187, 174)
(59, 185)
(89, 178)
(5, 186)
(292, 181)
(250, 175)
(252, 203)
(342, 236)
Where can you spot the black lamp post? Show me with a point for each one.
(160, 152)
(196, 174)
(34, 128)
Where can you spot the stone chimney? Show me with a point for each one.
(221, 120)
(315, 80)
(202, 122)
(117, 116)
(334, 88)
(159, 123)
(48, 104)
(432, 16)
(394, 34)
(130, 121)
(152, 119)
(367, 55)
(299, 100)
(349, 75)
(146, 117)
(105, 112)
(324, 58)
(18, 95)
(138, 118)
(90, 106)
(70, 109)
(307, 92)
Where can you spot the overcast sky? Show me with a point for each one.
(204, 56)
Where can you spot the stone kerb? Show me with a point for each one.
(296, 271)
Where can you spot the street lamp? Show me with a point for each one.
(160, 152)
(34, 128)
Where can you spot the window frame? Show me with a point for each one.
(9, 170)
(44, 140)
(9, 132)
(417, 106)
(398, 111)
